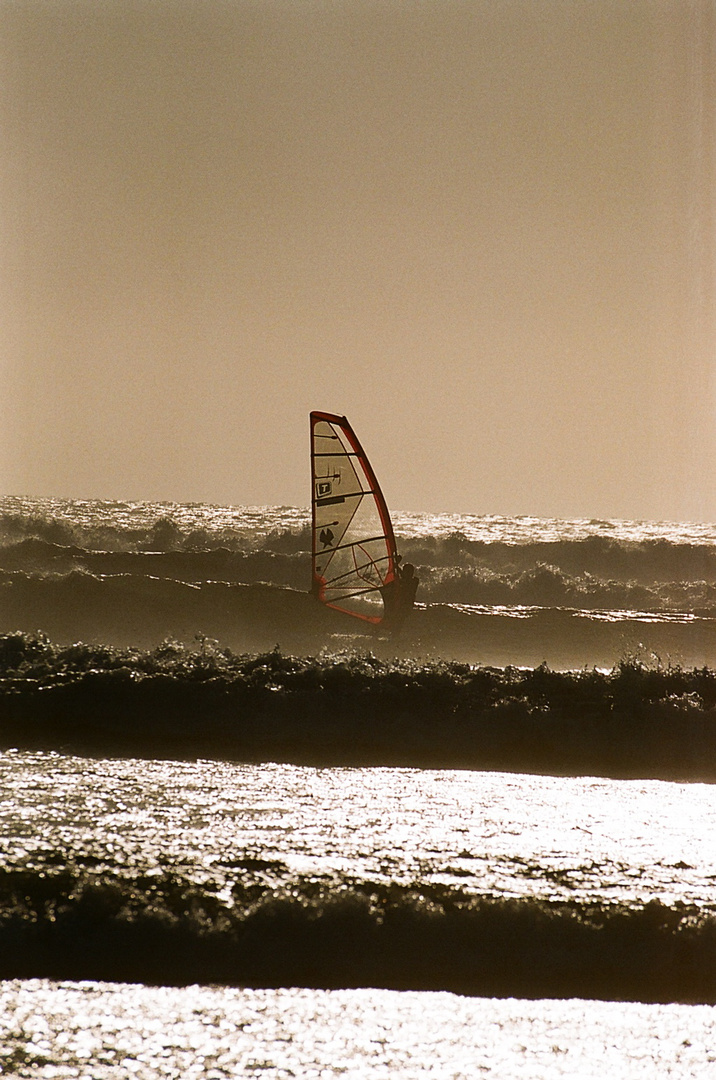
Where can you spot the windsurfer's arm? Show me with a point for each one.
(399, 596)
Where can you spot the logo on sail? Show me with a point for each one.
(324, 488)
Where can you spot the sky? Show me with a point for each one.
(484, 230)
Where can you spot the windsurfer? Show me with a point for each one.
(353, 545)
(399, 596)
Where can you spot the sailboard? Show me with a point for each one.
(355, 563)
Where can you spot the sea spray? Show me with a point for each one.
(357, 709)
(162, 930)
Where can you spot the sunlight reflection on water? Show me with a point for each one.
(109, 1031)
(490, 833)
(254, 522)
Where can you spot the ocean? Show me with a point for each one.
(242, 836)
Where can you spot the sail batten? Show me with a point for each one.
(339, 547)
(354, 555)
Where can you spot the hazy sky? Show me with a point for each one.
(482, 229)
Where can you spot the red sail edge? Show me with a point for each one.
(352, 565)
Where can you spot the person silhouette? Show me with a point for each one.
(399, 595)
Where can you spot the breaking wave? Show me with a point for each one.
(76, 924)
(357, 710)
(449, 574)
(492, 591)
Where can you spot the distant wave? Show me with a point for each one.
(128, 609)
(353, 709)
(494, 591)
(70, 923)
(115, 526)
(102, 525)
(597, 572)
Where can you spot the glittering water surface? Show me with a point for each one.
(61, 1030)
(498, 835)
(255, 522)
(490, 833)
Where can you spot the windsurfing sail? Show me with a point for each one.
(354, 556)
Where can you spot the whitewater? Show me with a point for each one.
(242, 836)
(493, 590)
